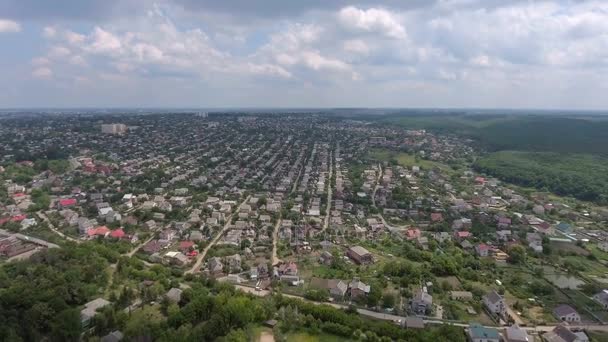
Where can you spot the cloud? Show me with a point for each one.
(462, 50)
(43, 73)
(372, 20)
(7, 26)
(104, 42)
(356, 46)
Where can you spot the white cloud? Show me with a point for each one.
(372, 20)
(43, 73)
(104, 42)
(78, 60)
(40, 61)
(7, 26)
(356, 46)
(49, 32)
(74, 38)
(59, 52)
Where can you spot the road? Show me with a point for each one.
(134, 250)
(275, 240)
(377, 184)
(199, 259)
(330, 191)
(393, 318)
(30, 239)
(53, 229)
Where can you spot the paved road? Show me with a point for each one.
(199, 260)
(53, 229)
(30, 239)
(275, 240)
(377, 184)
(329, 192)
(394, 318)
(134, 250)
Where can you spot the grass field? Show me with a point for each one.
(307, 337)
(404, 159)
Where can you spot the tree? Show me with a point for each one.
(517, 255)
(388, 300)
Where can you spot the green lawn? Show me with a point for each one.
(405, 159)
(307, 337)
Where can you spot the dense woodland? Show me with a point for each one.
(582, 176)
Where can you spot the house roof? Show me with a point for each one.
(564, 310)
(359, 250)
(478, 331)
(516, 334)
(493, 297)
(99, 231)
(117, 233)
(67, 201)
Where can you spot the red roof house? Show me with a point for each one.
(68, 202)
(99, 231)
(117, 233)
(186, 245)
(436, 217)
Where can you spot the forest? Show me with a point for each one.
(578, 175)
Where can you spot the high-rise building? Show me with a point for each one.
(113, 128)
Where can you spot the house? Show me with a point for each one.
(442, 236)
(234, 263)
(436, 217)
(602, 298)
(174, 295)
(102, 231)
(186, 246)
(167, 235)
(482, 250)
(495, 304)
(66, 203)
(358, 289)
(461, 295)
(422, 302)
(150, 225)
(338, 289)
(462, 235)
(288, 269)
(516, 334)
(561, 333)
(564, 227)
(412, 233)
(90, 310)
(360, 255)
(479, 333)
(114, 336)
(154, 246)
(196, 235)
(117, 233)
(566, 313)
(215, 266)
(326, 258)
(262, 270)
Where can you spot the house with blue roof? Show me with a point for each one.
(479, 333)
(564, 227)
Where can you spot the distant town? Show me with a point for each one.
(391, 223)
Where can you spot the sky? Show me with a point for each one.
(317, 53)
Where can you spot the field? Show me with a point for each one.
(405, 159)
(307, 337)
(578, 175)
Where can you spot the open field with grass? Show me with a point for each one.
(405, 159)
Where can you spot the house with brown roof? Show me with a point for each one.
(360, 255)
